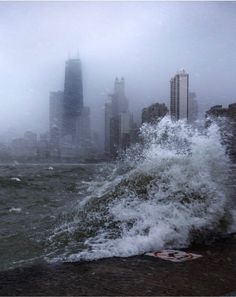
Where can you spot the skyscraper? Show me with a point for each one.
(73, 98)
(179, 95)
(55, 120)
(118, 120)
(70, 131)
(108, 116)
(120, 101)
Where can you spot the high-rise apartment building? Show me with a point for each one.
(73, 98)
(179, 95)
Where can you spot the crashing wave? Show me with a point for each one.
(168, 191)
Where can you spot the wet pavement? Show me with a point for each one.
(212, 275)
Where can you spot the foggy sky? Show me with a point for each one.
(146, 42)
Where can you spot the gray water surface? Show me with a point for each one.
(30, 207)
(36, 199)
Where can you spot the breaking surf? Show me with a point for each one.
(166, 192)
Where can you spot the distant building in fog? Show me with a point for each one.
(84, 129)
(192, 107)
(69, 134)
(31, 138)
(229, 127)
(69, 119)
(154, 113)
(26, 147)
(218, 111)
(55, 121)
(118, 120)
(44, 146)
(179, 95)
(55, 110)
(73, 99)
(108, 116)
(97, 141)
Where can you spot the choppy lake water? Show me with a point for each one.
(175, 188)
(32, 206)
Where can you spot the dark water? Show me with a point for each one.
(174, 189)
(33, 208)
(30, 208)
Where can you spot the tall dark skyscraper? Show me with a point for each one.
(70, 135)
(73, 98)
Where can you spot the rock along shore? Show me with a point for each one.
(214, 274)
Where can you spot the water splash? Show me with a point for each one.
(168, 191)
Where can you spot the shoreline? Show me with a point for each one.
(213, 274)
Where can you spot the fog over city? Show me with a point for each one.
(145, 42)
(117, 148)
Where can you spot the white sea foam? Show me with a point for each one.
(171, 192)
(17, 179)
(15, 209)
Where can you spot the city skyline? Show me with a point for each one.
(118, 147)
(144, 42)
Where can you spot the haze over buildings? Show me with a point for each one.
(146, 42)
(118, 120)
(70, 134)
(73, 102)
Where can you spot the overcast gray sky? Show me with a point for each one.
(146, 42)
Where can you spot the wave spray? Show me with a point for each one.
(168, 192)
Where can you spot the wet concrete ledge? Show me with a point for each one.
(212, 275)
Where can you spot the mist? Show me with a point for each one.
(145, 42)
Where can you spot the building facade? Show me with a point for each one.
(73, 99)
(26, 147)
(84, 130)
(118, 120)
(227, 127)
(154, 113)
(179, 96)
(55, 121)
(69, 119)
